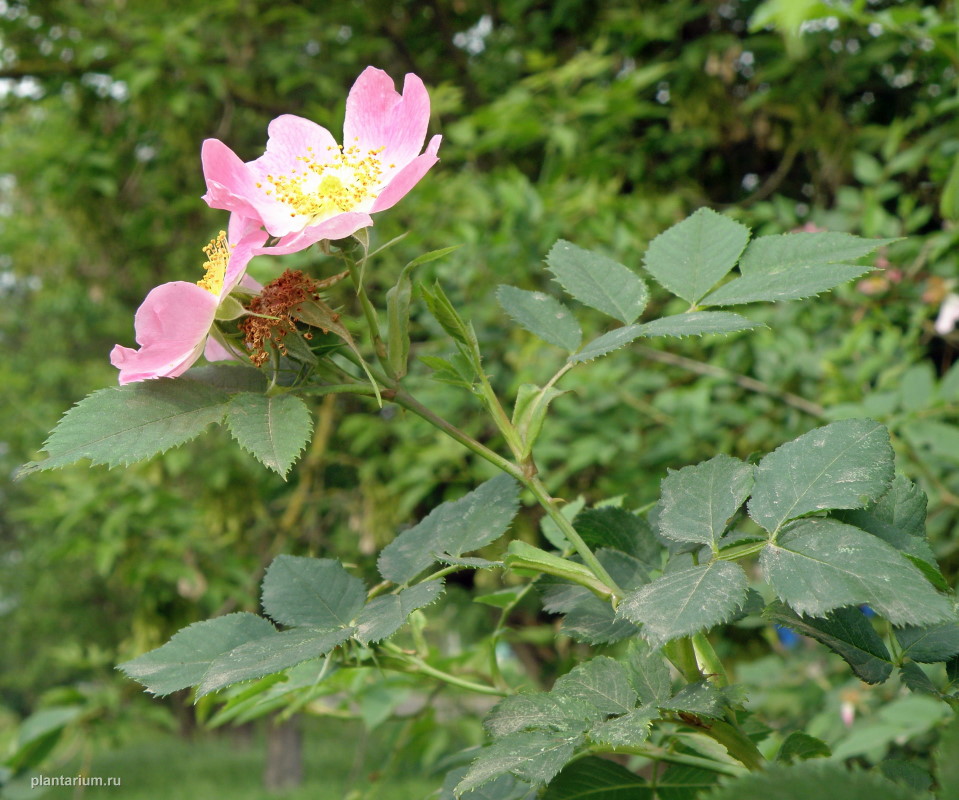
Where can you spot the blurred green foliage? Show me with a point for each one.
(601, 123)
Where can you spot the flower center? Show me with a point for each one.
(321, 189)
(218, 256)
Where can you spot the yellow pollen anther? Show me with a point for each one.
(218, 256)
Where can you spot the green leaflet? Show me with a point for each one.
(542, 315)
(594, 778)
(598, 281)
(269, 654)
(818, 565)
(184, 660)
(383, 616)
(686, 601)
(846, 632)
(694, 255)
(132, 423)
(795, 265)
(532, 756)
(648, 673)
(809, 779)
(543, 710)
(799, 746)
(630, 729)
(692, 323)
(317, 592)
(930, 644)
(698, 501)
(845, 464)
(602, 683)
(452, 528)
(274, 429)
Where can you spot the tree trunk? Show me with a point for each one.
(284, 755)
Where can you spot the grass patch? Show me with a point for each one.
(341, 762)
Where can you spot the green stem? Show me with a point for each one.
(426, 669)
(661, 754)
(681, 654)
(707, 659)
(402, 398)
(408, 402)
(368, 311)
(535, 485)
(737, 744)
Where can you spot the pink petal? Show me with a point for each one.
(338, 227)
(240, 256)
(376, 116)
(171, 325)
(229, 183)
(214, 351)
(407, 177)
(290, 138)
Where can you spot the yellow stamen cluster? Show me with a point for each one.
(218, 256)
(325, 188)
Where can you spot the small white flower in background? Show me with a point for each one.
(948, 314)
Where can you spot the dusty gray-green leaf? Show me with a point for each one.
(532, 756)
(598, 281)
(697, 323)
(619, 529)
(846, 464)
(648, 673)
(454, 528)
(898, 517)
(914, 679)
(846, 632)
(692, 323)
(383, 616)
(593, 778)
(318, 592)
(184, 660)
(700, 698)
(686, 601)
(602, 683)
(274, 429)
(542, 315)
(539, 710)
(132, 423)
(809, 779)
(632, 728)
(780, 286)
(799, 746)
(269, 654)
(698, 501)
(790, 251)
(692, 256)
(818, 565)
(929, 644)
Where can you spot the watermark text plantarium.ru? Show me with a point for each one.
(38, 781)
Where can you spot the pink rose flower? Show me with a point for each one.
(306, 187)
(173, 323)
